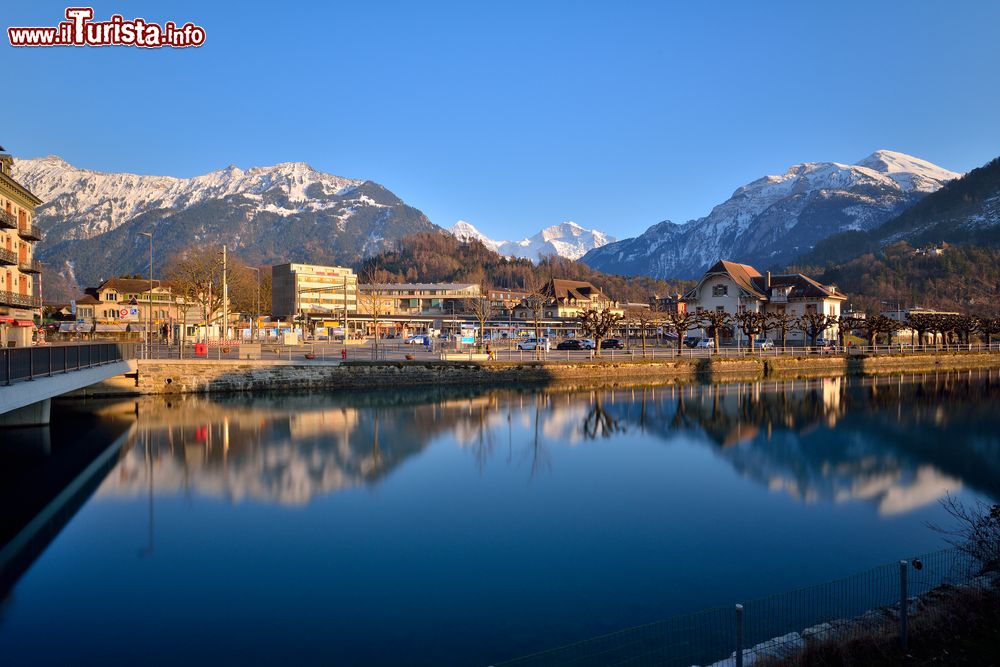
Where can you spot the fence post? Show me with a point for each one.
(904, 611)
(739, 635)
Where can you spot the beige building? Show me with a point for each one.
(567, 299)
(731, 287)
(20, 273)
(318, 292)
(121, 305)
(416, 299)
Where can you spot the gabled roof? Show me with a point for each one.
(800, 286)
(741, 274)
(563, 290)
(751, 281)
(130, 285)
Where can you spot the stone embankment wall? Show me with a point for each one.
(201, 376)
(173, 376)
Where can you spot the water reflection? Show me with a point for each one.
(465, 526)
(897, 443)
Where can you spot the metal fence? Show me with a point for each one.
(866, 604)
(27, 363)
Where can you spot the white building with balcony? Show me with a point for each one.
(732, 288)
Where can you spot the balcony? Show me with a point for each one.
(7, 220)
(8, 257)
(20, 300)
(27, 233)
(32, 266)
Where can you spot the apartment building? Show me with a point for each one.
(20, 273)
(317, 292)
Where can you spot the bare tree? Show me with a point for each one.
(874, 325)
(989, 327)
(373, 298)
(845, 325)
(643, 318)
(782, 322)
(680, 323)
(481, 307)
(598, 324)
(813, 323)
(715, 323)
(197, 277)
(752, 324)
(921, 323)
(535, 300)
(977, 533)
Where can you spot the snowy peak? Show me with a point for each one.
(777, 218)
(567, 239)
(96, 202)
(911, 173)
(464, 231)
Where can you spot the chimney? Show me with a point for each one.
(768, 281)
(6, 163)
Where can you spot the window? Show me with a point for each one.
(720, 309)
(720, 290)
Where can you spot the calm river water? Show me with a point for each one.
(468, 526)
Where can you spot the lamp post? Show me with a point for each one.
(149, 302)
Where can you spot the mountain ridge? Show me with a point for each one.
(91, 221)
(567, 239)
(776, 218)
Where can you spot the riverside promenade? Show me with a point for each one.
(292, 370)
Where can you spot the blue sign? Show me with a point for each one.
(468, 340)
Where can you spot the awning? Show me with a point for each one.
(24, 323)
(67, 327)
(137, 326)
(111, 327)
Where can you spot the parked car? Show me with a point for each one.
(588, 343)
(764, 344)
(705, 344)
(570, 344)
(613, 344)
(416, 340)
(533, 343)
(691, 341)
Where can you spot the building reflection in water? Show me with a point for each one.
(896, 442)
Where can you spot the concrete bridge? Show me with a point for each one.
(31, 376)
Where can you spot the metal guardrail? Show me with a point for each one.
(27, 233)
(8, 257)
(32, 266)
(7, 220)
(877, 603)
(27, 363)
(20, 300)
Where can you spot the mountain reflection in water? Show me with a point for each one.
(898, 443)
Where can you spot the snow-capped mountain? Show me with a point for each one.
(568, 240)
(775, 219)
(287, 212)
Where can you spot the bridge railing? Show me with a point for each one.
(27, 363)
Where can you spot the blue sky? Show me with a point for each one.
(518, 115)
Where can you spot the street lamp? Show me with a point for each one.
(149, 302)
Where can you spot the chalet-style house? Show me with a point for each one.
(731, 287)
(566, 299)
